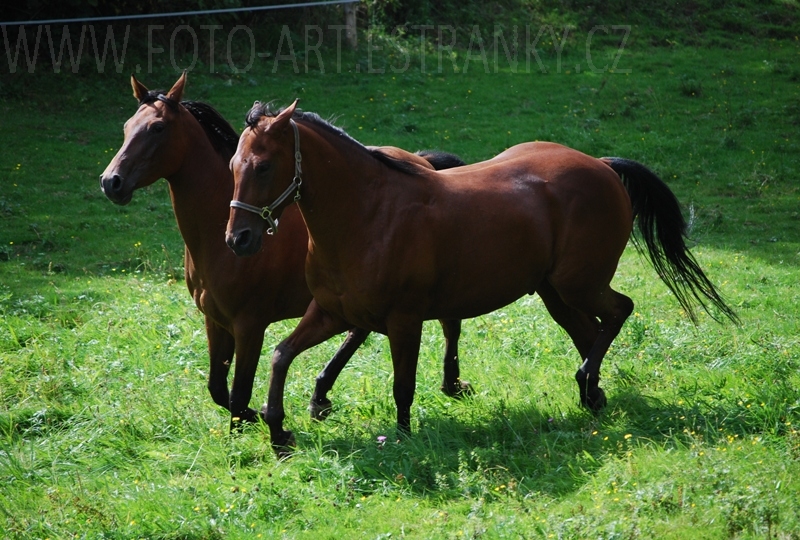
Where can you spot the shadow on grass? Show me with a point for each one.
(521, 449)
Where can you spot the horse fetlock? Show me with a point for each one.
(284, 444)
(586, 379)
(272, 416)
(238, 420)
(592, 396)
(595, 400)
(404, 422)
(220, 395)
(457, 389)
(320, 408)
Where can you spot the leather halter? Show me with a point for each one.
(266, 211)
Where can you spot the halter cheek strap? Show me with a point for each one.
(294, 188)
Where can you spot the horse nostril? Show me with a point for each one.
(116, 183)
(238, 241)
(242, 239)
(111, 184)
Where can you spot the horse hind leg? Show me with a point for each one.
(320, 406)
(582, 329)
(612, 309)
(452, 385)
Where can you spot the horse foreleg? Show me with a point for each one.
(404, 337)
(452, 385)
(315, 327)
(220, 353)
(248, 351)
(320, 404)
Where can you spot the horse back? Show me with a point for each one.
(537, 211)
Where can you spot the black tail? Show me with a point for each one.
(663, 230)
(441, 160)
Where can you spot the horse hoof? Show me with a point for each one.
(284, 445)
(458, 390)
(320, 409)
(595, 400)
(592, 396)
(249, 416)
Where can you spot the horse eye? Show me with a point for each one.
(263, 167)
(158, 127)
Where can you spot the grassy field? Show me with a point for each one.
(107, 429)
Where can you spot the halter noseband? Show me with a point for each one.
(297, 181)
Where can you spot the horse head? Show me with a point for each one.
(154, 143)
(267, 173)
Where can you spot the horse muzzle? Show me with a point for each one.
(243, 242)
(114, 188)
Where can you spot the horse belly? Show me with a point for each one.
(493, 267)
(342, 297)
(359, 312)
(478, 291)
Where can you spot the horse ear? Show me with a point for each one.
(139, 90)
(281, 121)
(176, 92)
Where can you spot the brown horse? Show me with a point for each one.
(190, 145)
(393, 244)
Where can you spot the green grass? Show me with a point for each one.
(107, 429)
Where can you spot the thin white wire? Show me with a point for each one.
(177, 13)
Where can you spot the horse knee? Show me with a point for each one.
(282, 358)
(403, 394)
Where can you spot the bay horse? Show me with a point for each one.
(392, 244)
(190, 144)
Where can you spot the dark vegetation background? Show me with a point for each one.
(666, 21)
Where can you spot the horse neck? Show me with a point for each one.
(339, 186)
(201, 191)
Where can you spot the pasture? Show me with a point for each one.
(107, 429)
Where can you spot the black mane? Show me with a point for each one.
(441, 160)
(223, 137)
(220, 133)
(259, 110)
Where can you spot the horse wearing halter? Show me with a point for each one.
(266, 212)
